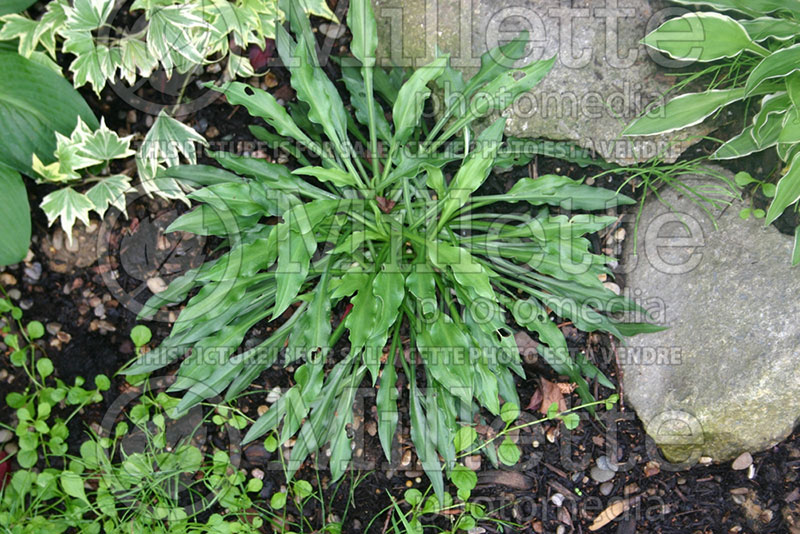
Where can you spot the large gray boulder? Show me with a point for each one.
(725, 377)
(603, 77)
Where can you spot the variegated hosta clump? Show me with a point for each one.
(757, 47)
(179, 36)
(403, 237)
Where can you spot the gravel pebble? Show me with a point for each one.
(5, 435)
(606, 488)
(53, 328)
(601, 475)
(744, 461)
(557, 499)
(34, 271)
(156, 284)
(14, 294)
(604, 463)
(26, 304)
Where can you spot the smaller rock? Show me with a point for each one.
(100, 311)
(601, 475)
(612, 287)
(156, 285)
(473, 462)
(744, 461)
(411, 473)
(604, 463)
(33, 272)
(332, 31)
(652, 468)
(405, 461)
(256, 454)
(371, 427)
(8, 279)
(212, 132)
(14, 294)
(262, 409)
(64, 337)
(5, 435)
(619, 235)
(257, 473)
(606, 488)
(53, 328)
(26, 304)
(557, 499)
(273, 395)
(11, 448)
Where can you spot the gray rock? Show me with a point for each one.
(601, 475)
(606, 488)
(602, 79)
(724, 378)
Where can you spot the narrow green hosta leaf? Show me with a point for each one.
(424, 442)
(421, 284)
(556, 190)
(15, 217)
(262, 104)
(780, 63)
(474, 170)
(337, 177)
(502, 91)
(772, 107)
(468, 273)
(444, 347)
(683, 111)
(389, 290)
(496, 61)
(796, 248)
(700, 37)
(67, 205)
(110, 191)
(748, 7)
(762, 28)
(386, 402)
(790, 133)
(38, 102)
(788, 191)
(313, 329)
(435, 179)
(361, 319)
(361, 21)
(358, 98)
(411, 99)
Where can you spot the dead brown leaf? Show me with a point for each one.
(551, 392)
(528, 347)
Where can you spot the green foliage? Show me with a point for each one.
(760, 52)
(389, 235)
(179, 35)
(35, 104)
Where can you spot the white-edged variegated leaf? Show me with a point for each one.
(109, 192)
(166, 141)
(104, 144)
(88, 15)
(135, 59)
(683, 111)
(22, 28)
(178, 36)
(93, 63)
(67, 205)
(319, 8)
(702, 37)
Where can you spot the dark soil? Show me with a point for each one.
(704, 499)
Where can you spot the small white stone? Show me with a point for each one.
(557, 499)
(156, 284)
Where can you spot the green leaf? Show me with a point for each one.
(411, 99)
(27, 458)
(361, 21)
(44, 366)
(412, 496)
(103, 144)
(35, 102)
(508, 452)
(464, 478)
(743, 178)
(67, 205)
(464, 438)
(787, 192)
(15, 6)
(88, 15)
(762, 28)
(571, 420)
(386, 402)
(683, 111)
(337, 177)
(796, 247)
(475, 169)
(94, 63)
(701, 37)
(780, 63)
(15, 216)
(140, 335)
(278, 500)
(562, 191)
(72, 484)
(110, 191)
(509, 412)
(172, 37)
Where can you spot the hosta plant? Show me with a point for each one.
(753, 54)
(389, 245)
